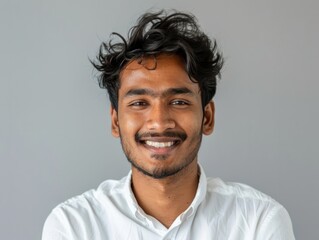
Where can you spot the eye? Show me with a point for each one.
(138, 104)
(180, 102)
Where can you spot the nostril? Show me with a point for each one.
(160, 124)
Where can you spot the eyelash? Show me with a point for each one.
(138, 104)
(141, 103)
(179, 102)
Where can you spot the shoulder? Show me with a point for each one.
(263, 215)
(236, 190)
(93, 197)
(82, 210)
(241, 198)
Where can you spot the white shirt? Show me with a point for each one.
(219, 211)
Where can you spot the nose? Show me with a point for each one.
(159, 118)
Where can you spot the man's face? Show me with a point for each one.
(160, 119)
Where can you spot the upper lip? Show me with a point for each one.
(160, 139)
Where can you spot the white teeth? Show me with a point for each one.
(159, 144)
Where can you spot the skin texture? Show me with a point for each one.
(160, 122)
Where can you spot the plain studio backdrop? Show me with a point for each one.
(55, 135)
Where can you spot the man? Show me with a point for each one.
(161, 82)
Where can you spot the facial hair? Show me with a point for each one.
(161, 173)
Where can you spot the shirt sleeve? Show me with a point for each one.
(276, 226)
(55, 227)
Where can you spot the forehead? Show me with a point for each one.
(160, 72)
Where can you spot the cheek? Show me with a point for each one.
(191, 124)
(130, 122)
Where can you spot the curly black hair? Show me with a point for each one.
(156, 33)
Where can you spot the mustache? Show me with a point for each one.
(181, 135)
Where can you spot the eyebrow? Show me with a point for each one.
(150, 92)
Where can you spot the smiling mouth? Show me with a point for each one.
(160, 144)
(159, 148)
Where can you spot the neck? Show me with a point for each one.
(165, 199)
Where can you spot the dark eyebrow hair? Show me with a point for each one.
(150, 92)
(174, 91)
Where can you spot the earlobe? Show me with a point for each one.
(209, 118)
(115, 123)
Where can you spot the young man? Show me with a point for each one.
(161, 82)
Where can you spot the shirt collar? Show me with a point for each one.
(201, 190)
(138, 212)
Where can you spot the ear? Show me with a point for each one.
(209, 118)
(115, 122)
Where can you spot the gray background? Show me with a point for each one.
(55, 139)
